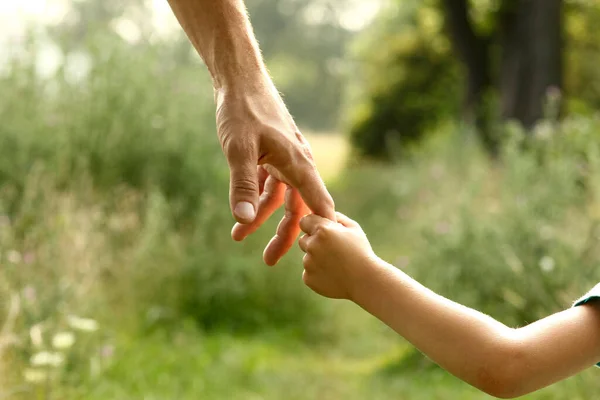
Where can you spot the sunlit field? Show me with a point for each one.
(330, 151)
(119, 279)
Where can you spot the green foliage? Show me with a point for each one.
(517, 241)
(533, 250)
(136, 137)
(412, 83)
(304, 45)
(582, 53)
(113, 206)
(411, 79)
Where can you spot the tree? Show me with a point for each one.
(510, 53)
(528, 38)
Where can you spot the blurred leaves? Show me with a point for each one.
(410, 82)
(303, 43)
(412, 78)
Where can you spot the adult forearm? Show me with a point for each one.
(468, 344)
(220, 31)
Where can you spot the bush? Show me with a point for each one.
(130, 148)
(410, 83)
(516, 239)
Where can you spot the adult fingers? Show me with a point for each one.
(271, 199)
(262, 178)
(288, 229)
(296, 164)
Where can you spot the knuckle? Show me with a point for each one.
(305, 151)
(236, 148)
(307, 246)
(309, 280)
(320, 234)
(306, 279)
(325, 231)
(244, 185)
(302, 157)
(303, 243)
(293, 153)
(306, 261)
(226, 138)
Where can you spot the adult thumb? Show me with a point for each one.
(243, 190)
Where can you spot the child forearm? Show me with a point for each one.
(499, 360)
(469, 344)
(504, 362)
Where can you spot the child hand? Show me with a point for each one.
(337, 255)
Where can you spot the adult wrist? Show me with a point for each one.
(249, 83)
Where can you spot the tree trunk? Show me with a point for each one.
(530, 43)
(531, 58)
(474, 53)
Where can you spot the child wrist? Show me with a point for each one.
(361, 279)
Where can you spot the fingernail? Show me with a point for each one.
(244, 210)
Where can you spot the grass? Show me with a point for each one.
(353, 357)
(187, 364)
(113, 208)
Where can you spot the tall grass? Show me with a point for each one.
(113, 205)
(515, 238)
(114, 231)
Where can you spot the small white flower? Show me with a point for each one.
(35, 333)
(46, 358)
(546, 232)
(544, 130)
(29, 293)
(107, 351)
(4, 220)
(63, 340)
(13, 257)
(157, 121)
(82, 324)
(34, 375)
(547, 263)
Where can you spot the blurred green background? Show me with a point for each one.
(463, 135)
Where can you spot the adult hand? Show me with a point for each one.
(270, 164)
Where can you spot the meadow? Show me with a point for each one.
(119, 279)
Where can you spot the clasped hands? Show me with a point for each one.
(271, 164)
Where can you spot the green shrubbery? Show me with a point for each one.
(131, 151)
(113, 206)
(516, 238)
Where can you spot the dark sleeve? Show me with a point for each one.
(592, 295)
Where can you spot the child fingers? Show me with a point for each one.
(345, 221)
(308, 263)
(310, 223)
(304, 243)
